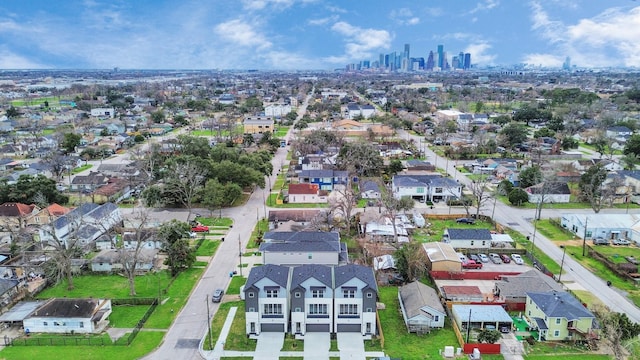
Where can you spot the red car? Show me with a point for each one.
(505, 258)
(200, 228)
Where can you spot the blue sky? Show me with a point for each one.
(312, 34)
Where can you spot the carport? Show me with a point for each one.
(19, 312)
(481, 316)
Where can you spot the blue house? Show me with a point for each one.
(325, 179)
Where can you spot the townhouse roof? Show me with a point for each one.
(302, 273)
(276, 273)
(347, 272)
(560, 304)
(469, 234)
(317, 173)
(301, 241)
(303, 189)
(416, 295)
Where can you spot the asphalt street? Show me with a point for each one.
(520, 220)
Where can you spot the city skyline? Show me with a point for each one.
(313, 34)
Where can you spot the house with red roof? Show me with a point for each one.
(306, 193)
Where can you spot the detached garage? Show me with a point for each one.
(442, 257)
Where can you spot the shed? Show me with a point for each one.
(442, 257)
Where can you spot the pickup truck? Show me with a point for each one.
(470, 264)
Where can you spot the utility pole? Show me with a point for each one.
(240, 253)
(564, 251)
(584, 237)
(533, 240)
(468, 327)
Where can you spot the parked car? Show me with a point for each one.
(505, 258)
(466, 221)
(463, 257)
(475, 258)
(600, 241)
(495, 258)
(471, 265)
(632, 260)
(517, 259)
(200, 228)
(484, 258)
(621, 242)
(217, 295)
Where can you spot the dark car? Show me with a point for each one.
(217, 295)
(465, 221)
(505, 258)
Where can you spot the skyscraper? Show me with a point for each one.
(441, 60)
(467, 61)
(430, 62)
(406, 61)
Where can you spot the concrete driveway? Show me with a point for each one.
(351, 346)
(316, 346)
(269, 346)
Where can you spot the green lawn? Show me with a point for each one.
(143, 344)
(237, 339)
(82, 168)
(553, 232)
(215, 221)
(566, 357)
(108, 286)
(434, 231)
(281, 131)
(235, 284)
(208, 248)
(399, 343)
(261, 227)
(126, 316)
(174, 299)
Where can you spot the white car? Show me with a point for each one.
(517, 259)
(484, 258)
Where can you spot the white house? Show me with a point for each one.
(426, 187)
(421, 307)
(104, 112)
(306, 193)
(277, 110)
(468, 238)
(603, 226)
(549, 192)
(370, 190)
(84, 316)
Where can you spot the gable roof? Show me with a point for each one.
(560, 304)
(303, 189)
(347, 272)
(301, 241)
(469, 234)
(416, 295)
(549, 188)
(67, 308)
(519, 285)
(57, 210)
(368, 185)
(276, 273)
(424, 180)
(14, 209)
(302, 273)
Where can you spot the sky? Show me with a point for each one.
(312, 34)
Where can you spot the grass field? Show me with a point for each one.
(108, 286)
(235, 284)
(208, 248)
(144, 343)
(82, 168)
(261, 226)
(399, 343)
(553, 232)
(126, 316)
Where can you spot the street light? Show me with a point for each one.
(564, 251)
(240, 253)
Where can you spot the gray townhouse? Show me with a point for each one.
(311, 298)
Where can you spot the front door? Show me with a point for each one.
(298, 327)
(252, 328)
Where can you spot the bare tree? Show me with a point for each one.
(344, 202)
(63, 244)
(139, 234)
(394, 206)
(480, 193)
(185, 180)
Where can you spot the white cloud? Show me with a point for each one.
(544, 60)
(361, 42)
(479, 53)
(485, 5)
(609, 39)
(9, 60)
(322, 21)
(404, 16)
(279, 4)
(242, 34)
